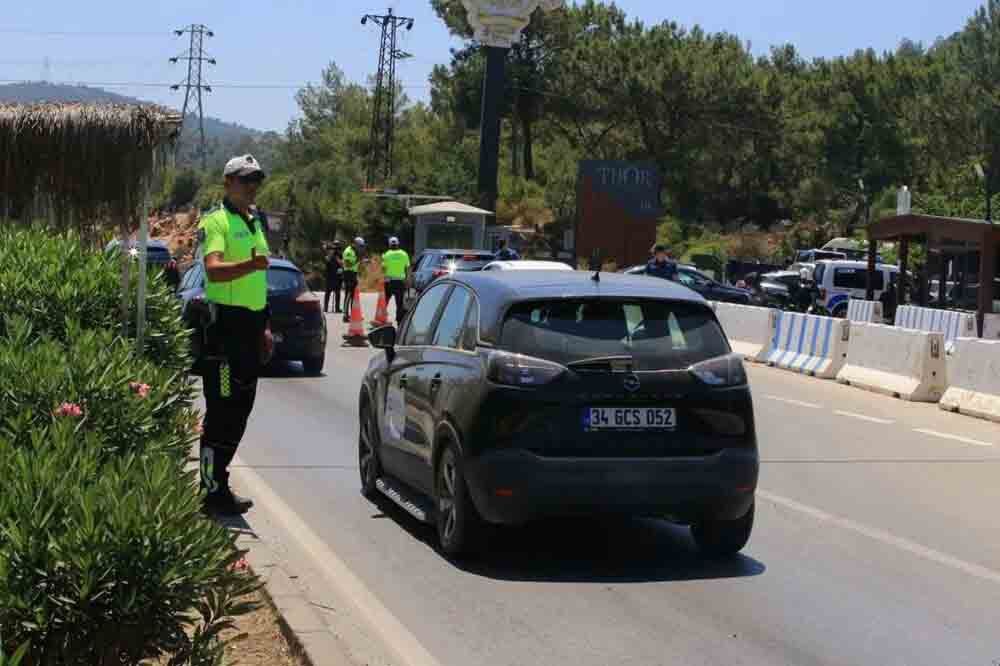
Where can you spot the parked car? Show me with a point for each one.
(812, 256)
(430, 265)
(527, 265)
(157, 256)
(838, 281)
(297, 320)
(514, 397)
(697, 281)
(774, 290)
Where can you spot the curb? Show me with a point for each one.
(308, 635)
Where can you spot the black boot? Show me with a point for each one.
(226, 503)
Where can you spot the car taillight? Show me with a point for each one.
(721, 371)
(522, 371)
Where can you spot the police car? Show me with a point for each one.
(838, 281)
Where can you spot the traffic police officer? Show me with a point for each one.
(660, 265)
(395, 263)
(235, 250)
(351, 261)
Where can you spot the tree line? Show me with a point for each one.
(744, 141)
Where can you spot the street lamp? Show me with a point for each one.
(497, 25)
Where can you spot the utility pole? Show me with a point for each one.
(193, 87)
(384, 108)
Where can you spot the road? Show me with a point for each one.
(876, 542)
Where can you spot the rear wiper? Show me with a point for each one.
(606, 363)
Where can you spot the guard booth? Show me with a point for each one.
(963, 257)
(448, 225)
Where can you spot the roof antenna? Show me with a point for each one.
(595, 265)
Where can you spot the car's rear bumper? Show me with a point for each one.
(516, 486)
(299, 346)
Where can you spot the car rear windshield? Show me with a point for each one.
(466, 262)
(657, 334)
(285, 279)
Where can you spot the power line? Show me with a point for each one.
(150, 84)
(68, 33)
(384, 108)
(193, 87)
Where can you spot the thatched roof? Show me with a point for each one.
(77, 163)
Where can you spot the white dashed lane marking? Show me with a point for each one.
(862, 417)
(955, 438)
(797, 403)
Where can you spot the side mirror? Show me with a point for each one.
(383, 338)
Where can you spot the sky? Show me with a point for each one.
(280, 46)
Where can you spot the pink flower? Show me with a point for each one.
(240, 565)
(141, 389)
(69, 409)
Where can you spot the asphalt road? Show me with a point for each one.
(876, 542)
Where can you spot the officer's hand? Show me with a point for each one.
(258, 262)
(267, 346)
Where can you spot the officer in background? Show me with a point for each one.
(235, 251)
(661, 265)
(351, 260)
(395, 264)
(506, 253)
(334, 276)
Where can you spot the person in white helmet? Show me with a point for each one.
(395, 265)
(351, 260)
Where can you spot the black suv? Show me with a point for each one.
(511, 396)
(297, 320)
(430, 265)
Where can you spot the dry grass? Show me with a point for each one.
(76, 164)
(256, 640)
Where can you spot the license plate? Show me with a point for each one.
(629, 418)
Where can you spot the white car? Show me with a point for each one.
(839, 281)
(526, 266)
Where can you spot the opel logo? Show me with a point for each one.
(632, 383)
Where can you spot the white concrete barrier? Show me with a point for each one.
(974, 379)
(864, 312)
(904, 363)
(749, 329)
(991, 327)
(951, 324)
(809, 344)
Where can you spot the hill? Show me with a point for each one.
(223, 139)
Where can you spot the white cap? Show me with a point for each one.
(244, 165)
(393, 241)
(359, 241)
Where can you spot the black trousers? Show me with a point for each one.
(230, 385)
(333, 286)
(395, 289)
(350, 282)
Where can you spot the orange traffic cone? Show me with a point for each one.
(355, 335)
(382, 309)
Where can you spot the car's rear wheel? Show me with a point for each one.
(368, 462)
(722, 538)
(458, 523)
(314, 366)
